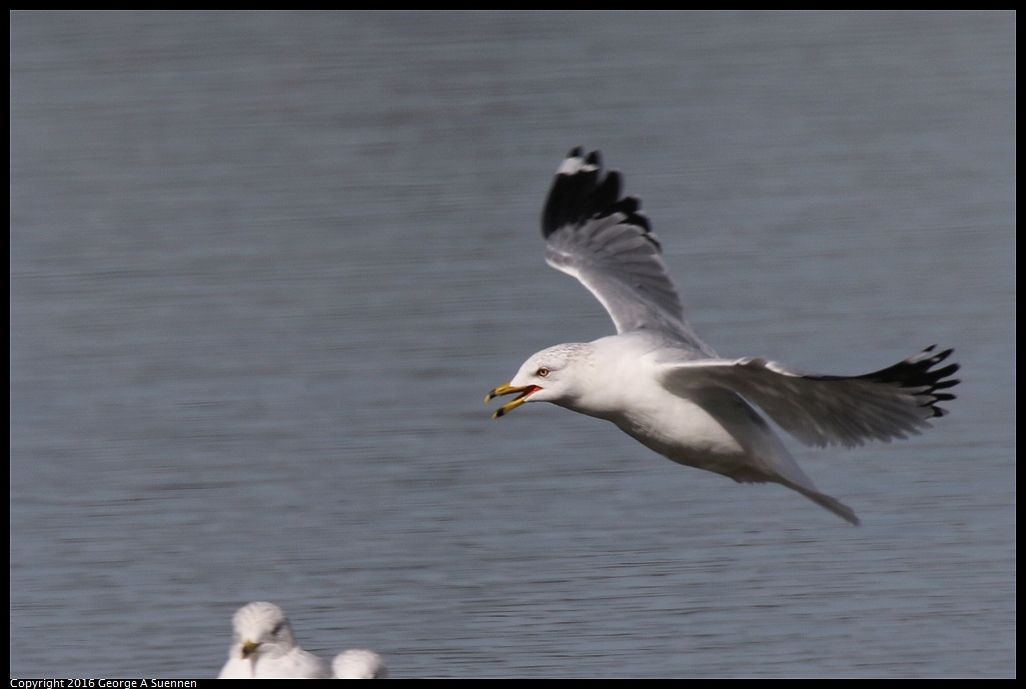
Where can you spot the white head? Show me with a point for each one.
(357, 663)
(261, 630)
(551, 375)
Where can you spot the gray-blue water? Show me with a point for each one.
(264, 268)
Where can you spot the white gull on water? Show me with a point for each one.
(263, 647)
(359, 663)
(670, 391)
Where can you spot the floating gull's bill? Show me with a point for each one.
(357, 663)
(263, 648)
(667, 389)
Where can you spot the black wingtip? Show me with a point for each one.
(918, 372)
(582, 190)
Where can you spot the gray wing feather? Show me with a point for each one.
(604, 241)
(894, 402)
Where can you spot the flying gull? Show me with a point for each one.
(670, 391)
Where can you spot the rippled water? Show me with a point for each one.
(265, 266)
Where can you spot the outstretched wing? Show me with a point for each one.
(604, 241)
(894, 402)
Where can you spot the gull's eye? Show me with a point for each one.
(542, 372)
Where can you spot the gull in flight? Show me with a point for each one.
(670, 391)
(263, 647)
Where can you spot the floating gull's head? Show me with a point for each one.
(551, 375)
(357, 663)
(261, 628)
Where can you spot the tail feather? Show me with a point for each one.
(833, 504)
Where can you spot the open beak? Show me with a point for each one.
(525, 392)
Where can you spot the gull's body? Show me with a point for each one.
(358, 663)
(263, 647)
(667, 389)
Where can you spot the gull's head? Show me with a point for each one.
(359, 664)
(261, 629)
(551, 375)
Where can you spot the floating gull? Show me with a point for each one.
(263, 648)
(357, 663)
(667, 389)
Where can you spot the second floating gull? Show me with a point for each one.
(667, 389)
(359, 663)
